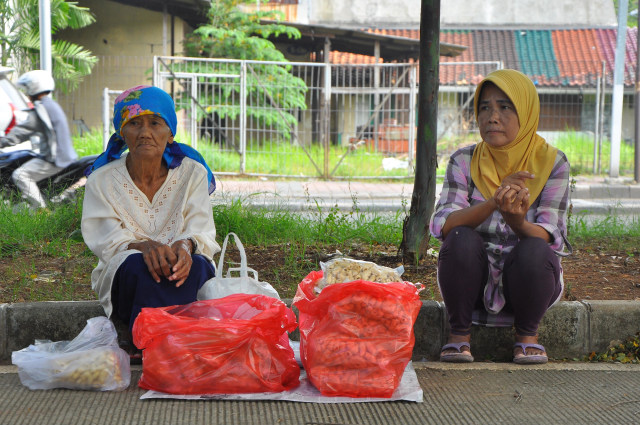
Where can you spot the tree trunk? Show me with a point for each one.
(415, 231)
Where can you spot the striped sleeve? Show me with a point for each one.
(455, 190)
(551, 211)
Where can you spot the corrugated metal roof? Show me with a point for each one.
(556, 57)
(361, 42)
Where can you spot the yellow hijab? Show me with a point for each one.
(528, 152)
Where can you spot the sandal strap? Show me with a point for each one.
(457, 346)
(525, 345)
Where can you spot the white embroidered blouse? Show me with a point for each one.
(116, 213)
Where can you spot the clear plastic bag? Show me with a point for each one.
(342, 269)
(91, 361)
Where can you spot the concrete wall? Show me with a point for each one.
(522, 13)
(125, 39)
(493, 13)
(360, 13)
(122, 30)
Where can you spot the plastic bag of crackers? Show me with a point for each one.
(356, 334)
(343, 269)
(91, 361)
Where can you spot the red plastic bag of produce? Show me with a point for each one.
(356, 338)
(235, 344)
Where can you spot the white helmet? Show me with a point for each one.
(36, 82)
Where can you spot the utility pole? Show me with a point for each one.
(618, 90)
(45, 35)
(415, 229)
(636, 162)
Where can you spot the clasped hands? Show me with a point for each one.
(512, 198)
(170, 261)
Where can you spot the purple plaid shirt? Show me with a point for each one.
(549, 211)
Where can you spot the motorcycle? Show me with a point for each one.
(59, 187)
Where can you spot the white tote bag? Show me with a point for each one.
(221, 286)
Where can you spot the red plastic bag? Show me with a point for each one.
(236, 344)
(356, 338)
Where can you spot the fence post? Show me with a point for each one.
(193, 127)
(325, 117)
(596, 132)
(105, 118)
(412, 113)
(618, 91)
(243, 117)
(156, 71)
(602, 105)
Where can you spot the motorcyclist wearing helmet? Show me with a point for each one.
(48, 130)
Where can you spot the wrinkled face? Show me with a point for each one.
(146, 136)
(497, 117)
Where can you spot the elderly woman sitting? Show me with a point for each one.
(146, 214)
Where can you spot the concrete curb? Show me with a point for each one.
(569, 330)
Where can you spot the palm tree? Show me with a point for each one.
(20, 39)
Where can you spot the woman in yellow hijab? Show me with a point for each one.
(502, 219)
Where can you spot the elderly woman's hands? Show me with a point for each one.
(172, 262)
(181, 268)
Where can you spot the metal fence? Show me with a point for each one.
(342, 121)
(296, 119)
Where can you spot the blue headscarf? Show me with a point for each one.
(148, 100)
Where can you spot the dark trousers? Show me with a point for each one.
(133, 287)
(531, 280)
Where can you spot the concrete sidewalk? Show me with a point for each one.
(561, 392)
(590, 195)
(483, 393)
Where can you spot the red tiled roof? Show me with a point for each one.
(463, 74)
(343, 58)
(397, 32)
(491, 46)
(577, 54)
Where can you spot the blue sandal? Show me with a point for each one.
(460, 356)
(524, 358)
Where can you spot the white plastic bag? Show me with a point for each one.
(221, 286)
(91, 361)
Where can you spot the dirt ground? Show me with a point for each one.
(596, 272)
(588, 274)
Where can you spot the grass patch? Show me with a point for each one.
(616, 232)
(579, 150)
(42, 256)
(283, 158)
